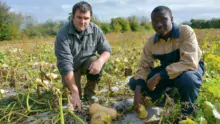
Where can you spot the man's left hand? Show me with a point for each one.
(95, 67)
(152, 82)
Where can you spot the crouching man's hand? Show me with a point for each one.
(96, 67)
(152, 82)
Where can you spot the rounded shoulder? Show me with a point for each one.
(150, 40)
(94, 27)
(64, 30)
(185, 28)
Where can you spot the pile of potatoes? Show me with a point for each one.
(104, 115)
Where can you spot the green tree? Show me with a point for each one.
(147, 26)
(48, 28)
(143, 20)
(124, 24)
(70, 17)
(134, 24)
(9, 23)
(106, 28)
(95, 20)
(116, 27)
(198, 23)
(215, 22)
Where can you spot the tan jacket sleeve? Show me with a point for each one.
(146, 62)
(190, 54)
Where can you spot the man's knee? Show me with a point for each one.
(189, 84)
(92, 77)
(88, 62)
(190, 80)
(86, 65)
(132, 83)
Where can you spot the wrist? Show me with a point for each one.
(101, 60)
(73, 88)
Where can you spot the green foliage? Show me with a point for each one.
(211, 57)
(70, 17)
(143, 20)
(95, 20)
(134, 24)
(212, 113)
(215, 90)
(187, 121)
(9, 23)
(2, 57)
(106, 28)
(49, 28)
(120, 24)
(116, 27)
(213, 23)
(31, 31)
(148, 26)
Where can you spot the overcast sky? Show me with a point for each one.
(183, 10)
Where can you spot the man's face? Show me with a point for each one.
(81, 20)
(162, 22)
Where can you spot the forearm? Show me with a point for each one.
(153, 81)
(70, 80)
(104, 57)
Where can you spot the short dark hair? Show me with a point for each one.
(162, 9)
(83, 7)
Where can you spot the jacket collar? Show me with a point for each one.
(72, 29)
(174, 33)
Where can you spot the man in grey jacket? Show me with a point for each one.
(75, 48)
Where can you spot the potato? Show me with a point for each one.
(101, 117)
(142, 112)
(95, 107)
(187, 121)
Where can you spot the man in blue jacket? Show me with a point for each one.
(180, 61)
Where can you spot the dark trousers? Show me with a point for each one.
(188, 84)
(92, 80)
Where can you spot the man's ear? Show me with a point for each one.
(172, 19)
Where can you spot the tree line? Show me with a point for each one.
(201, 24)
(17, 26)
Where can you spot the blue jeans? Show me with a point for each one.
(188, 84)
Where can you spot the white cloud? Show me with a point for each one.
(183, 10)
(66, 6)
